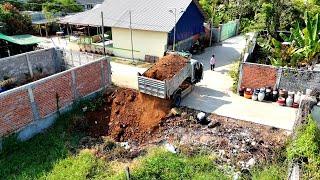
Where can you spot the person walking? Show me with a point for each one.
(212, 63)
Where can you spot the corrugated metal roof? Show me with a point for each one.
(150, 15)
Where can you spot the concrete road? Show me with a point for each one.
(125, 75)
(213, 94)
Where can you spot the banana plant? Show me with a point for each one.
(306, 41)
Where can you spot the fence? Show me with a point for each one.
(33, 107)
(225, 31)
(76, 58)
(48, 61)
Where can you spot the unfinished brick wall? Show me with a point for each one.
(257, 75)
(15, 111)
(48, 93)
(88, 79)
(37, 101)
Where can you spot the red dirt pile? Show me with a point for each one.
(166, 67)
(134, 115)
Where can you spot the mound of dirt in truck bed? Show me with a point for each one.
(166, 67)
(134, 115)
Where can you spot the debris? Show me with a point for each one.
(175, 111)
(125, 145)
(170, 148)
(201, 116)
(236, 175)
(214, 124)
(251, 162)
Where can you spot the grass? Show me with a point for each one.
(305, 148)
(35, 158)
(234, 74)
(160, 164)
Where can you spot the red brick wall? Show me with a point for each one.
(45, 94)
(15, 112)
(16, 109)
(256, 76)
(88, 79)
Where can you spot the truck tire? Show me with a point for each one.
(177, 100)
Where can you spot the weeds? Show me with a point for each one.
(234, 74)
(306, 149)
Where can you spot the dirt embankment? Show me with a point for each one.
(166, 67)
(135, 115)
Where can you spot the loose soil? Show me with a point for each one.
(134, 116)
(142, 121)
(127, 115)
(166, 67)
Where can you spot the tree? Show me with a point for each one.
(62, 6)
(13, 22)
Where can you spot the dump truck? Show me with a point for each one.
(176, 87)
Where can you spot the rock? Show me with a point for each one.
(125, 145)
(170, 148)
(214, 124)
(253, 143)
(84, 109)
(236, 175)
(184, 114)
(251, 162)
(175, 112)
(201, 116)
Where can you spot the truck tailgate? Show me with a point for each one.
(152, 87)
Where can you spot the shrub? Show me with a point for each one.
(306, 149)
(234, 74)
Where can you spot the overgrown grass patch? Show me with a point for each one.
(234, 74)
(160, 164)
(305, 149)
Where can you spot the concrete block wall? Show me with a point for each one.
(299, 80)
(33, 107)
(49, 60)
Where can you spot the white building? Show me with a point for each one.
(151, 21)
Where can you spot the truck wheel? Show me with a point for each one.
(177, 100)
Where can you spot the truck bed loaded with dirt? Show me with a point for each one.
(172, 77)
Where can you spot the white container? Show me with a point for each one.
(289, 101)
(297, 97)
(254, 97)
(308, 92)
(261, 96)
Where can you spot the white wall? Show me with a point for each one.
(144, 43)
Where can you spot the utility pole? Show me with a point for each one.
(130, 26)
(102, 29)
(175, 28)
(211, 31)
(174, 12)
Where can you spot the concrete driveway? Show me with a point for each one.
(213, 94)
(125, 75)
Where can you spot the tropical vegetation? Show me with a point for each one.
(12, 22)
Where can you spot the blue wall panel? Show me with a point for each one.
(191, 23)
